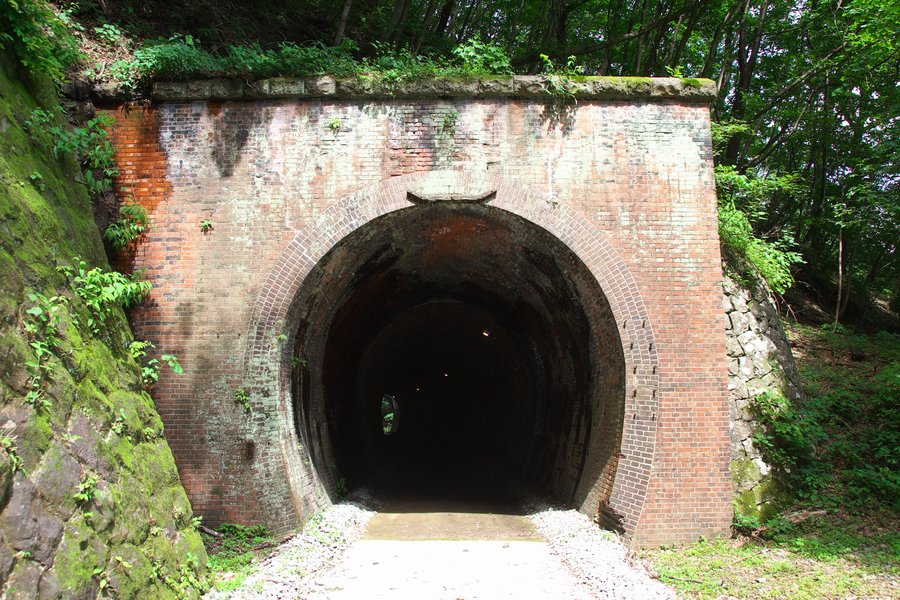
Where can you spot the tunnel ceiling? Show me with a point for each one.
(493, 337)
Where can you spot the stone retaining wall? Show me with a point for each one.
(759, 361)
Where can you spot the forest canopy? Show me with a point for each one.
(805, 123)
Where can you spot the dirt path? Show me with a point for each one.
(445, 551)
(448, 570)
(448, 555)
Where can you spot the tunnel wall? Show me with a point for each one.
(625, 181)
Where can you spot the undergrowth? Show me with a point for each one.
(838, 453)
(182, 57)
(749, 255)
(238, 545)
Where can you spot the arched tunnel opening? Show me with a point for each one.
(455, 350)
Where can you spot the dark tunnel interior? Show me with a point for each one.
(457, 351)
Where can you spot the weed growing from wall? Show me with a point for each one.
(8, 444)
(242, 398)
(133, 221)
(90, 145)
(102, 290)
(150, 368)
(87, 489)
(43, 328)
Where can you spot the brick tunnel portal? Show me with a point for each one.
(451, 349)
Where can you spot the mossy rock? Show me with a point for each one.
(46, 220)
(80, 556)
(756, 496)
(6, 478)
(34, 438)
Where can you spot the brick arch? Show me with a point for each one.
(267, 363)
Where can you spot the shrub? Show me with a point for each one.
(39, 37)
(480, 58)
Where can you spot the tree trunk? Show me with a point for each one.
(391, 32)
(444, 18)
(840, 290)
(339, 34)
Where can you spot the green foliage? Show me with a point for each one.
(243, 398)
(747, 254)
(109, 34)
(837, 555)
(150, 369)
(234, 551)
(181, 57)
(785, 438)
(855, 399)
(37, 180)
(118, 426)
(559, 78)
(9, 446)
(87, 489)
(43, 328)
(133, 221)
(483, 58)
(42, 41)
(90, 145)
(186, 582)
(206, 226)
(101, 291)
(840, 446)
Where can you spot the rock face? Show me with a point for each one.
(759, 361)
(90, 499)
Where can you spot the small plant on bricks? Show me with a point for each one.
(243, 398)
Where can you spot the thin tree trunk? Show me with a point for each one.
(339, 35)
(427, 19)
(639, 53)
(444, 18)
(391, 32)
(466, 19)
(840, 290)
(514, 30)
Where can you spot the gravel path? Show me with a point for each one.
(595, 557)
(579, 560)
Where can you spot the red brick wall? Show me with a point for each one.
(627, 185)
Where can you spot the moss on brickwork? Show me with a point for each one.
(134, 532)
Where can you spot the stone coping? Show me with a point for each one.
(537, 87)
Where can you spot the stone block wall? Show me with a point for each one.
(759, 361)
(632, 168)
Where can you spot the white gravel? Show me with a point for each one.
(602, 566)
(289, 571)
(596, 557)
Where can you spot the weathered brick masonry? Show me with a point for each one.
(622, 181)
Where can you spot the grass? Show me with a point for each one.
(232, 556)
(837, 555)
(851, 547)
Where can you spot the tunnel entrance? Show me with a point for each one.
(454, 349)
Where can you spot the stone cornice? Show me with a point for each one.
(536, 87)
